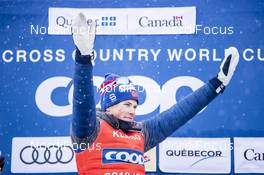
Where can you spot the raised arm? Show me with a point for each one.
(163, 125)
(84, 124)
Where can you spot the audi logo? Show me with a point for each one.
(42, 154)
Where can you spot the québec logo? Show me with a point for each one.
(105, 21)
(122, 156)
(108, 21)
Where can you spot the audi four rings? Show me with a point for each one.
(42, 154)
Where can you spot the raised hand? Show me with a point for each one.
(83, 35)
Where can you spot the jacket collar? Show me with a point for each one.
(119, 124)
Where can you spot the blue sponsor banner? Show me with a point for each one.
(31, 60)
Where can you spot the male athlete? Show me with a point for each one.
(109, 141)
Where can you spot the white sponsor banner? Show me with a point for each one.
(195, 155)
(42, 155)
(249, 155)
(126, 21)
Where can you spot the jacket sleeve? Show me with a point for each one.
(164, 124)
(84, 123)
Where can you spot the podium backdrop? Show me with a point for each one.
(143, 40)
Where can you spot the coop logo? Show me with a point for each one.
(202, 154)
(117, 156)
(155, 95)
(108, 21)
(174, 21)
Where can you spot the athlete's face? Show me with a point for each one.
(124, 110)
